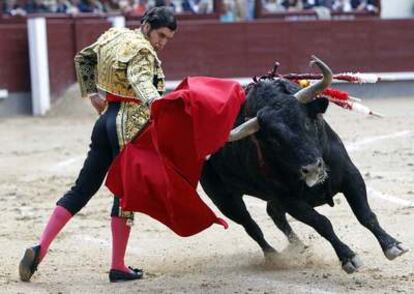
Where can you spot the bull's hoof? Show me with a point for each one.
(352, 265)
(297, 247)
(295, 241)
(270, 255)
(395, 250)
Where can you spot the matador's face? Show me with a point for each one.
(158, 37)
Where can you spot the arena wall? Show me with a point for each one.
(208, 47)
(247, 49)
(66, 36)
(14, 56)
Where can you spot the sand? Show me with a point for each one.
(40, 159)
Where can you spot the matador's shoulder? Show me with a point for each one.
(133, 43)
(111, 34)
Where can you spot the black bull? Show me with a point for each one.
(294, 161)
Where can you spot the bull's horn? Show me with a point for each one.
(245, 129)
(306, 95)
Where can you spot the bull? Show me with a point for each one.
(283, 152)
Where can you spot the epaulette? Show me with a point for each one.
(131, 44)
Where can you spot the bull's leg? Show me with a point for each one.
(356, 195)
(278, 215)
(305, 213)
(232, 206)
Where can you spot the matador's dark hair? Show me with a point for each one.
(160, 17)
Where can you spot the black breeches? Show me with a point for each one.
(102, 150)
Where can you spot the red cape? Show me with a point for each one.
(157, 173)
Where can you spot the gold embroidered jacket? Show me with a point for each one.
(122, 62)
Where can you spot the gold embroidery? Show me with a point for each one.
(128, 215)
(130, 120)
(105, 63)
(117, 56)
(141, 75)
(85, 66)
(119, 125)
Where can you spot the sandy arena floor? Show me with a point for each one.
(40, 158)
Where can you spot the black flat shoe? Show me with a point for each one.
(119, 276)
(28, 264)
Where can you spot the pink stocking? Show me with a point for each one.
(120, 236)
(57, 221)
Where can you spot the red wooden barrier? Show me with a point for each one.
(222, 49)
(14, 56)
(247, 49)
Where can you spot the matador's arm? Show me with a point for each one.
(140, 74)
(85, 66)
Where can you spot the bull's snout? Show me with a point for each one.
(314, 173)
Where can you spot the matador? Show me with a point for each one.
(122, 75)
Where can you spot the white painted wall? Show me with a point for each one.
(39, 68)
(4, 93)
(117, 21)
(397, 8)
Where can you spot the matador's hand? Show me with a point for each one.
(97, 102)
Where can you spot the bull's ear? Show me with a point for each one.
(317, 106)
